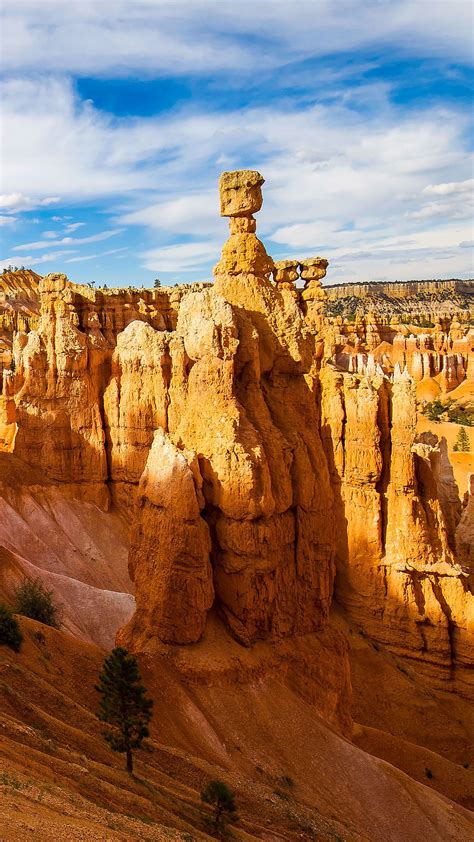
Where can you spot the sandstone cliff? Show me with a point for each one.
(408, 297)
(398, 573)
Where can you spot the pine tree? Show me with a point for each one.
(218, 794)
(462, 441)
(123, 705)
(10, 634)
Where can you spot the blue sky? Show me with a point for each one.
(119, 115)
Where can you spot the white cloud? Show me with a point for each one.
(117, 37)
(18, 202)
(92, 256)
(94, 238)
(452, 187)
(336, 177)
(7, 220)
(454, 200)
(194, 213)
(30, 260)
(183, 257)
(73, 226)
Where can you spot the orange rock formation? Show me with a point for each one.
(251, 465)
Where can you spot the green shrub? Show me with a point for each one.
(461, 415)
(222, 799)
(35, 601)
(10, 634)
(449, 411)
(434, 410)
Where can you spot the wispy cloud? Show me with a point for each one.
(17, 202)
(95, 256)
(451, 188)
(184, 257)
(94, 238)
(34, 260)
(73, 226)
(151, 36)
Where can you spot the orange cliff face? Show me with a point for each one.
(249, 466)
(399, 575)
(19, 311)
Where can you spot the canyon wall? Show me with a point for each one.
(249, 461)
(433, 295)
(398, 573)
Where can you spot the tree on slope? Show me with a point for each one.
(221, 797)
(462, 441)
(123, 705)
(10, 634)
(32, 599)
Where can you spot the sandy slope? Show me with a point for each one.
(399, 717)
(235, 713)
(76, 549)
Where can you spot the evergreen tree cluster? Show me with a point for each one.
(222, 799)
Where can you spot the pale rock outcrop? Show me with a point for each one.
(169, 551)
(135, 401)
(59, 381)
(465, 529)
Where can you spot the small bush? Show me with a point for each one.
(449, 411)
(39, 638)
(222, 799)
(35, 601)
(429, 773)
(10, 634)
(10, 780)
(434, 410)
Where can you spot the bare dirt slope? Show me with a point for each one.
(73, 547)
(400, 717)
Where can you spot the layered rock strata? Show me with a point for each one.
(443, 352)
(398, 575)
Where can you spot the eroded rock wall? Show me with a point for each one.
(398, 575)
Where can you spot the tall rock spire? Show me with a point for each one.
(243, 254)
